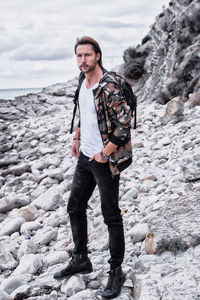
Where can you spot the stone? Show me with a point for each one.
(175, 106)
(17, 170)
(83, 295)
(55, 220)
(12, 201)
(151, 177)
(21, 290)
(28, 227)
(27, 247)
(45, 151)
(52, 161)
(56, 257)
(29, 213)
(12, 283)
(4, 296)
(194, 99)
(148, 185)
(166, 141)
(29, 264)
(11, 226)
(2, 180)
(130, 195)
(6, 147)
(150, 244)
(39, 165)
(177, 231)
(174, 110)
(72, 286)
(138, 233)
(49, 200)
(44, 236)
(191, 172)
(55, 173)
(7, 261)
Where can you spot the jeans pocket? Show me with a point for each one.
(100, 164)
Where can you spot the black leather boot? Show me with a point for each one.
(78, 264)
(115, 281)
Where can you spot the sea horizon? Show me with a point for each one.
(11, 93)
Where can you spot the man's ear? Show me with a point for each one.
(98, 56)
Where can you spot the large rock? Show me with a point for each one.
(27, 247)
(49, 200)
(29, 264)
(29, 213)
(11, 225)
(72, 286)
(83, 295)
(12, 283)
(191, 172)
(17, 170)
(194, 99)
(174, 110)
(174, 226)
(28, 227)
(56, 257)
(8, 161)
(4, 296)
(138, 233)
(7, 261)
(45, 236)
(13, 201)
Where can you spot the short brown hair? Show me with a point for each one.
(88, 40)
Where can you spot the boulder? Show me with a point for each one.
(138, 233)
(7, 261)
(72, 286)
(49, 200)
(174, 226)
(29, 264)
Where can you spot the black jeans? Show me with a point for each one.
(87, 175)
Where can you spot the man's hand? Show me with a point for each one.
(75, 148)
(98, 158)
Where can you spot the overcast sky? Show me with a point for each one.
(37, 37)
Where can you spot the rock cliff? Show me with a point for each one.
(167, 63)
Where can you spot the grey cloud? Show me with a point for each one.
(34, 54)
(27, 26)
(110, 24)
(2, 29)
(7, 45)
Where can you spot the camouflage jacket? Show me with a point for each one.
(114, 120)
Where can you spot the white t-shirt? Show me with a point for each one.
(91, 141)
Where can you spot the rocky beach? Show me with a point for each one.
(159, 192)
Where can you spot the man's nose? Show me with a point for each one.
(83, 58)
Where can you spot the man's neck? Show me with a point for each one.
(93, 77)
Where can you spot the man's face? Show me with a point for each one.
(86, 57)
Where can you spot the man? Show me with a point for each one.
(104, 151)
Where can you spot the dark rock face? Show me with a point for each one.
(167, 63)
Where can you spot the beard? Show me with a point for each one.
(87, 69)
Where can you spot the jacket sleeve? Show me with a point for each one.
(120, 114)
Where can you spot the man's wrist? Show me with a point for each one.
(104, 156)
(76, 139)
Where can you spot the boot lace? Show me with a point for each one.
(73, 261)
(111, 280)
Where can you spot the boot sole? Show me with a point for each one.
(82, 272)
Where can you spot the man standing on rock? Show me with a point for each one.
(102, 144)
